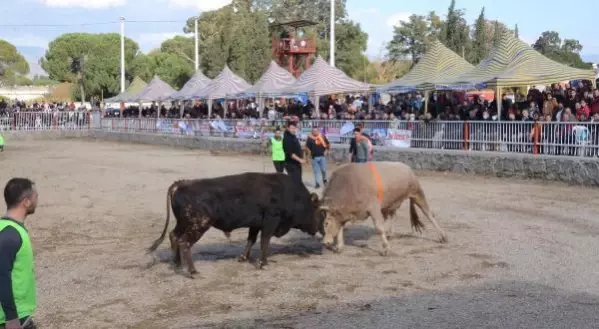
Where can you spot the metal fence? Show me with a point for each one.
(565, 138)
(37, 121)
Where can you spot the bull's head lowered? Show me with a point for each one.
(330, 227)
(314, 225)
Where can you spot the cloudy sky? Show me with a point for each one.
(31, 24)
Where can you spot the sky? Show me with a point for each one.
(25, 23)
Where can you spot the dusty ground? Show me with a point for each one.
(518, 252)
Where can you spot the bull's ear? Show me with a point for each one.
(315, 199)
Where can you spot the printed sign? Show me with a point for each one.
(399, 138)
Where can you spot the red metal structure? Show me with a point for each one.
(289, 49)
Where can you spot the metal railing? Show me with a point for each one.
(555, 138)
(39, 121)
(565, 138)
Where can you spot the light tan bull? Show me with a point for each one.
(376, 189)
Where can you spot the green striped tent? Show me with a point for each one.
(437, 64)
(135, 87)
(514, 63)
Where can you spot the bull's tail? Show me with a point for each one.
(419, 200)
(169, 197)
(417, 224)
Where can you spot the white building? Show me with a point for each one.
(24, 93)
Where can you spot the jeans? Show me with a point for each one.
(361, 160)
(319, 168)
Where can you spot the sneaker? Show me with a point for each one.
(324, 182)
(317, 186)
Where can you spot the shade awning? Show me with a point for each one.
(514, 63)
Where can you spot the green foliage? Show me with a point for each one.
(410, 39)
(350, 44)
(12, 64)
(101, 68)
(567, 52)
(480, 41)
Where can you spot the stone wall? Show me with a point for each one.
(11, 135)
(573, 170)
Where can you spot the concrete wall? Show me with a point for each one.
(573, 170)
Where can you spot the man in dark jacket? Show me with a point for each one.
(352, 144)
(293, 153)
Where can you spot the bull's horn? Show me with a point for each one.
(325, 208)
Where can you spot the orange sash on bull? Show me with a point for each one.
(378, 181)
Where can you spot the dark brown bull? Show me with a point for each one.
(270, 204)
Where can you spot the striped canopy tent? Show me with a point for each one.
(156, 90)
(226, 83)
(197, 82)
(513, 63)
(437, 64)
(322, 79)
(275, 78)
(136, 86)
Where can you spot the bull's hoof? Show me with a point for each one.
(384, 253)
(443, 239)
(242, 259)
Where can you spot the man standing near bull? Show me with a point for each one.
(276, 151)
(318, 146)
(293, 153)
(17, 277)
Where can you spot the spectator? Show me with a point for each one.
(318, 146)
(293, 153)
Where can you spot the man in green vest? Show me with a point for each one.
(17, 277)
(277, 152)
(1, 143)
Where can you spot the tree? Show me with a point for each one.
(101, 72)
(350, 44)
(567, 52)
(517, 32)
(381, 72)
(455, 33)
(480, 49)
(236, 35)
(409, 39)
(180, 45)
(12, 64)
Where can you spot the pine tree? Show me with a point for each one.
(498, 32)
(479, 44)
(517, 32)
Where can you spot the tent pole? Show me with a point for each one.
(498, 100)
(426, 97)
(317, 106)
(209, 108)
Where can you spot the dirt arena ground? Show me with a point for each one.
(517, 252)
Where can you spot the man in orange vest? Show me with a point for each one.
(318, 146)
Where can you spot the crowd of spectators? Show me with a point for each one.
(556, 103)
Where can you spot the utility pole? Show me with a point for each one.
(332, 51)
(197, 45)
(122, 54)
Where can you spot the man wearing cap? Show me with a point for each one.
(293, 153)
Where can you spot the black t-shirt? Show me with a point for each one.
(316, 148)
(291, 145)
(10, 243)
